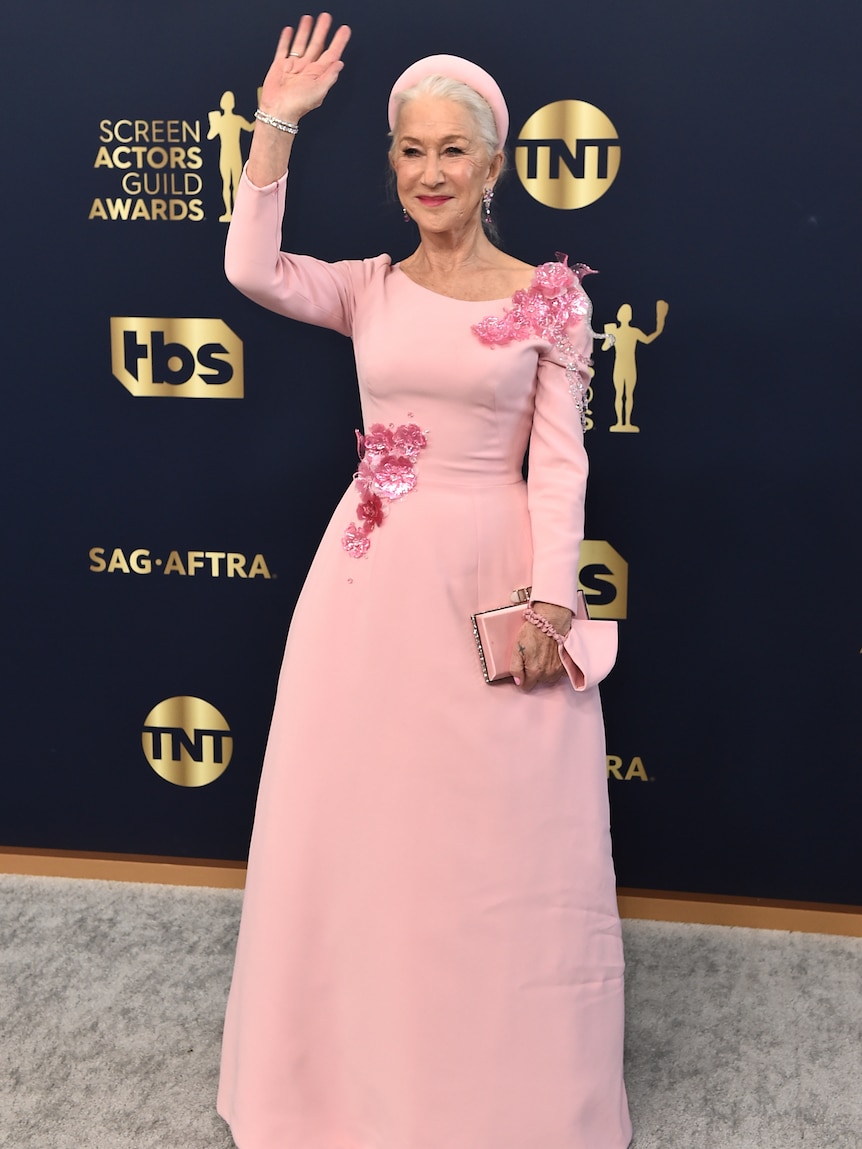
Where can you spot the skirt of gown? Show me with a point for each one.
(430, 952)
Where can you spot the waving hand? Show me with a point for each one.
(302, 72)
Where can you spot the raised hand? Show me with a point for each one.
(303, 69)
(302, 72)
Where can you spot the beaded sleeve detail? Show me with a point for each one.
(554, 303)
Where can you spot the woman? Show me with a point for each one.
(430, 953)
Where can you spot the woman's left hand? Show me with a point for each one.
(536, 656)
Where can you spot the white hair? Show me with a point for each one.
(448, 89)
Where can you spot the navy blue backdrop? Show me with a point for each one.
(732, 716)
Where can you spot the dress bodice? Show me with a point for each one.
(485, 381)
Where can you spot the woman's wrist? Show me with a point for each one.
(269, 154)
(284, 115)
(560, 617)
(289, 126)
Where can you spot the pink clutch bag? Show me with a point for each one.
(589, 652)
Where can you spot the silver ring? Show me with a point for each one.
(299, 54)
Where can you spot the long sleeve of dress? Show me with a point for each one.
(558, 474)
(298, 286)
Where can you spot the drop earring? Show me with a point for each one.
(406, 216)
(487, 196)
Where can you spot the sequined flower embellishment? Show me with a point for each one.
(553, 279)
(378, 441)
(387, 458)
(355, 541)
(370, 511)
(552, 304)
(393, 477)
(408, 440)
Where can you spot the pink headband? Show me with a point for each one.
(454, 68)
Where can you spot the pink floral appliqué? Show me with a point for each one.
(553, 303)
(387, 460)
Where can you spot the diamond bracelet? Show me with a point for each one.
(282, 125)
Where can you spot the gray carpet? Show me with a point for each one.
(111, 1002)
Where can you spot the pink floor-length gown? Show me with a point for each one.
(430, 952)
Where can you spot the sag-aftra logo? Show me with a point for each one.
(207, 564)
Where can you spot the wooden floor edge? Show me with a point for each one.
(760, 913)
(646, 905)
(117, 868)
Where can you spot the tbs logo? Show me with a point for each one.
(182, 358)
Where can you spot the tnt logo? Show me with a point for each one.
(184, 358)
(604, 579)
(567, 154)
(187, 741)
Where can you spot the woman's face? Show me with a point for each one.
(441, 165)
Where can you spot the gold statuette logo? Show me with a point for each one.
(567, 154)
(187, 741)
(227, 127)
(624, 339)
(181, 358)
(604, 579)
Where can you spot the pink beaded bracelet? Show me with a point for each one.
(539, 620)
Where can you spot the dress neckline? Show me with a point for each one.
(430, 291)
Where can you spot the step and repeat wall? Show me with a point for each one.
(172, 452)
